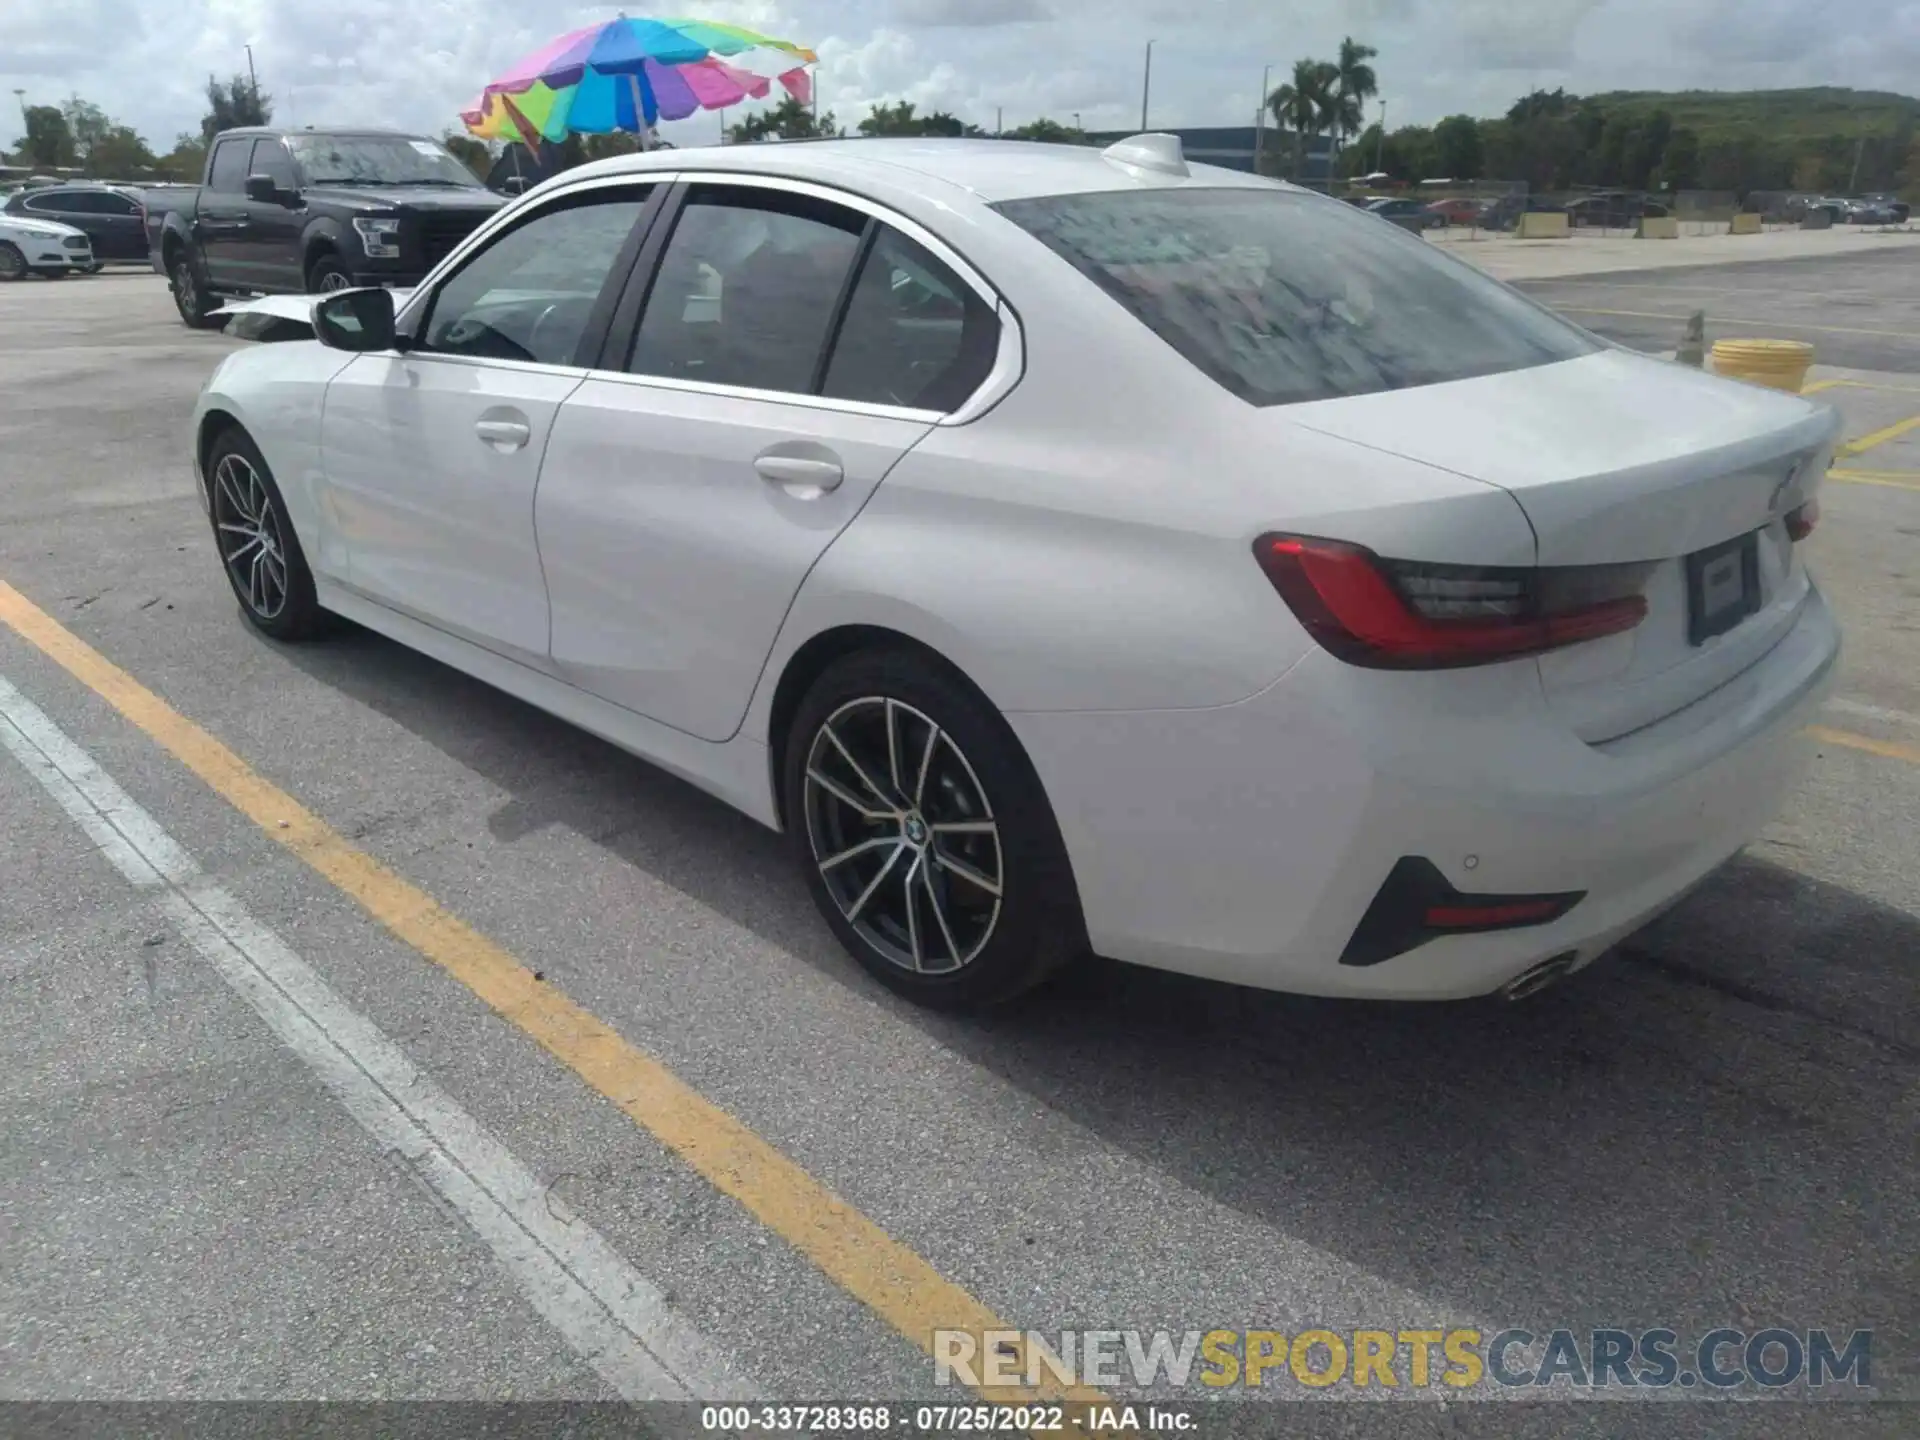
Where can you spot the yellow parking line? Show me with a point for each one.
(890, 1278)
(1817, 386)
(1898, 479)
(1878, 437)
(1887, 749)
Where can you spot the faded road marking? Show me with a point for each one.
(1893, 479)
(890, 1278)
(1886, 749)
(1874, 439)
(613, 1317)
(1736, 320)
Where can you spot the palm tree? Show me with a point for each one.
(1306, 104)
(1354, 84)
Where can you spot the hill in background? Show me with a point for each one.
(1826, 139)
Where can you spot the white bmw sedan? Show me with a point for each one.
(1069, 550)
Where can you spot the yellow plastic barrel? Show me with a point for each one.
(1778, 364)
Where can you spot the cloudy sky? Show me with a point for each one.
(411, 63)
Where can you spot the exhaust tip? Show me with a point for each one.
(1535, 978)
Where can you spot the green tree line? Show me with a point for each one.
(79, 135)
(1811, 140)
(1554, 141)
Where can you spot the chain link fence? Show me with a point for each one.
(1705, 212)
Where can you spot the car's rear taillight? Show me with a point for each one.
(1800, 522)
(1408, 615)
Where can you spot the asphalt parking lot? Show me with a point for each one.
(790, 1177)
(1858, 311)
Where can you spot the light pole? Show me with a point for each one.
(1260, 120)
(253, 82)
(1380, 143)
(1146, 88)
(1076, 122)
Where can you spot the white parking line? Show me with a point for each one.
(618, 1321)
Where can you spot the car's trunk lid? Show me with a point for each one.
(1619, 458)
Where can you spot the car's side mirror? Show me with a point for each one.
(515, 185)
(356, 320)
(262, 190)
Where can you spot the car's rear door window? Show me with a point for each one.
(1284, 297)
(914, 333)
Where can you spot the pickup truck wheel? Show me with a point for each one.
(13, 265)
(190, 296)
(328, 275)
(258, 549)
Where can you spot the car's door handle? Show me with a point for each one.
(504, 434)
(799, 472)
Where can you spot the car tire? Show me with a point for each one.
(191, 296)
(254, 539)
(327, 274)
(943, 874)
(96, 267)
(13, 264)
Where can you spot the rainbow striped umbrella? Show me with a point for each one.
(629, 75)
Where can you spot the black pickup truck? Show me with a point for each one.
(304, 211)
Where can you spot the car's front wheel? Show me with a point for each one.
(258, 549)
(926, 839)
(13, 264)
(327, 275)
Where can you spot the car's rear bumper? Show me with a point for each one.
(1246, 842)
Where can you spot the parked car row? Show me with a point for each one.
(1613, 209)
(1412, 213)
(31, 246)
(112, 217)
(1876, 209)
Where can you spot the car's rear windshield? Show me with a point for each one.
(1284, 297)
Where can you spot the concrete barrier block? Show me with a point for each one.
(1659, 227)
(1745, 224)
(1538, 225)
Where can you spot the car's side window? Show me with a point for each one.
(270, 158)
(49, 203)
(529, 294)
(229, 173)
(914, 333)
(746, 290)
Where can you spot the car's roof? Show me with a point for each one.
(86, 185)
(340, 132)
(990, 170)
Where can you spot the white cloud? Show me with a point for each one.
(414, 65)
(936, 13)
